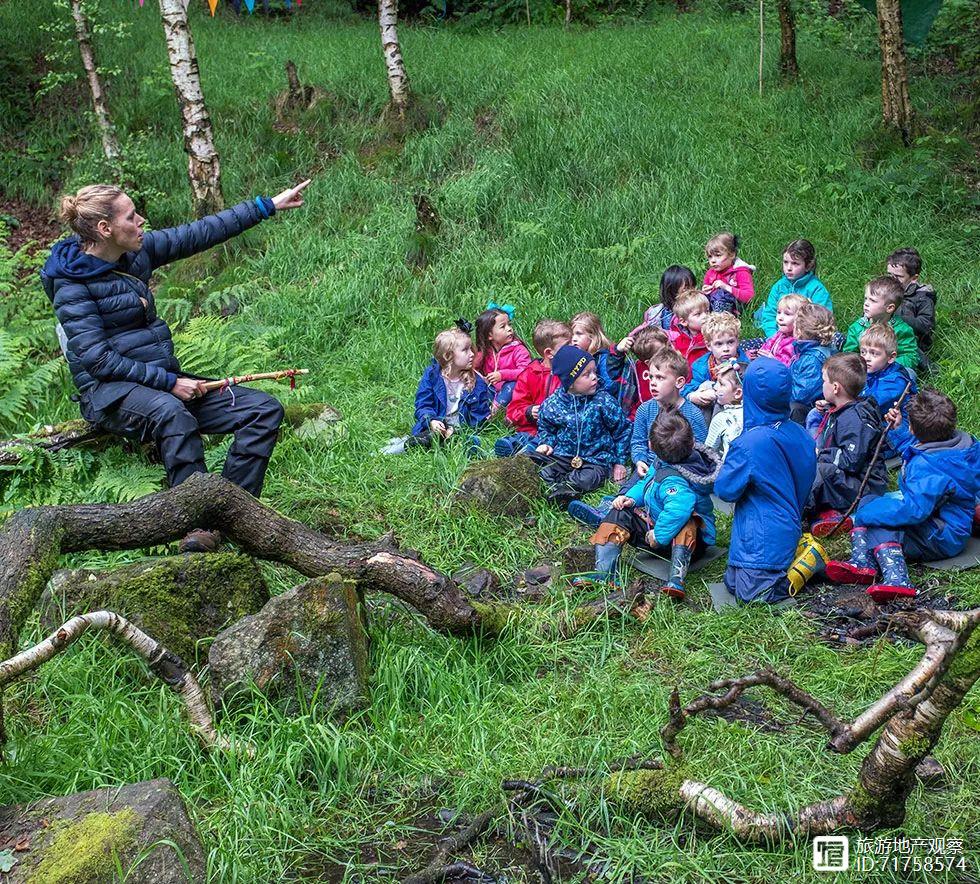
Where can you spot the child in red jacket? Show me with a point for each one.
(535, 384)
(690, 311)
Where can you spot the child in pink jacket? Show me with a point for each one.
(728, 282)
(780, 345)
(501, 356)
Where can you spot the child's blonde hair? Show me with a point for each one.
(717, 324)
(598, 338)
(880, 334)
(793, 298)
(547, 331)
(723, 243)
(814, 323)
(688, 301)
(448, 342)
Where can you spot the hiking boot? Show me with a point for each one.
(680, 561)
(587, 515)
(200, 541)
(828, 521)
(860, 569)
(895, 581)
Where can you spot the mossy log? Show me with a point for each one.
(911, 716)
(33, 539)
(74, 433)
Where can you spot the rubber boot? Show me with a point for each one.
(587, 515)
(680, 561)
(895, 582)
(606, 562)
(827, 521)
(810, 560)
(976, 520)
(860, 568)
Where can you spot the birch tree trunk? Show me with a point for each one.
(896, 105)
(203, 167)
(110, 144)
(397, 75)
(788, 67)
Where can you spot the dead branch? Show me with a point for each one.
(162, 663)
(911, 716)
(439, 868)
(32, 540)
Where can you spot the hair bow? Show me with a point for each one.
(464, 325)
(504, 308)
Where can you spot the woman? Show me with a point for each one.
(121, 353)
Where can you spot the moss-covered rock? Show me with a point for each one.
(80, 838)
(315, 420)
(179, 600)
(653, 793)
(311, 639)
(503, 486)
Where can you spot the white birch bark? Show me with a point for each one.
(395, 64)
(203, 167)
(83, 33)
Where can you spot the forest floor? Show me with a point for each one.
(568, 169)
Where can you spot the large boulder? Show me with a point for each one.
(178, 600)
(78, 839)
(312, 636)
(503, 486)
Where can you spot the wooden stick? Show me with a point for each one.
(248, 378)
(871, 465)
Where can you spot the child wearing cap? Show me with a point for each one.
(583, 434)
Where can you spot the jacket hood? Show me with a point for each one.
(867, 409)
(740, 263)
(68, 261)
(702, 467)
(958, 457)
(918, 288)
(766, 388)
(802, 346)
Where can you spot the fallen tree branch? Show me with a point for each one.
(162, 663)
(911, 715)
(439, 868)
(32, 540)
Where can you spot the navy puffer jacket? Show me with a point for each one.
(114, 339)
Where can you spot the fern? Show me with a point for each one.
(215, 347)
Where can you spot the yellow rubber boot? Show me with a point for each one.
(810, 559)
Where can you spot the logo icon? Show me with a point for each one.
(831, 853)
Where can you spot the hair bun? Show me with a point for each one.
(69, 208)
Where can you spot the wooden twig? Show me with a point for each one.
(248, 378)
(439, 868)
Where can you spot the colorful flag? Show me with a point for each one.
(214, 5)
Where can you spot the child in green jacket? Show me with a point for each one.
(882, 298)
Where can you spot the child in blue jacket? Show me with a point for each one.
(768, 474)
(450, 394)
(669, 512)
(813, 333)
(930, 516)
(583, 434)
(887, 380)
(799, 278)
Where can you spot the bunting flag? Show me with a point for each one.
(250, 6)
(214, 5)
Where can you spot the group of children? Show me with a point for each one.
(787, 428)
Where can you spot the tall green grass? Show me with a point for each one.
(568, 167)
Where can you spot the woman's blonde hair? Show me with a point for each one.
(814, 323)
(448, 342)
(593, 328)
(83, 211)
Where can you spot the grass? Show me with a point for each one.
(568, 167)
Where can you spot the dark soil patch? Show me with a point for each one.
(486, 124)
(28, 223)
(847, 616)
(750, 712)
